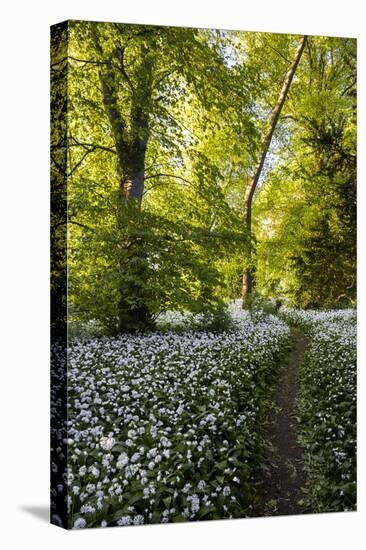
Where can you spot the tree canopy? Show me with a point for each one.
(156, 143)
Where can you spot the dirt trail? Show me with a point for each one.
(281, 485)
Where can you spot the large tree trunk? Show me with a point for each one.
(131, 142)
(130, 139)
(247, 282)
(132, 168)
(132, 155)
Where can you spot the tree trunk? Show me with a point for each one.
(131, 142)
(247, 282)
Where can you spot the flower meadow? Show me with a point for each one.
(327, 407)
(170, 426)
(167, 426)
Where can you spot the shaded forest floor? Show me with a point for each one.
(178, 376)
(281, 484)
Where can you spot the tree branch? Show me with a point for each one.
(79, 163)
(168, 176)
(164, 176)
(353, 83)
(121, 52)
(92, 146)
(276, 51)
(87, 61)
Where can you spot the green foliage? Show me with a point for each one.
(144, 105)
(172, 119)
(149, 262)
(306, 210)
(258, 303)
(216, 321)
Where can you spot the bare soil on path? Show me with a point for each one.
(282, 482)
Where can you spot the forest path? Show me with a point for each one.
(281, 484)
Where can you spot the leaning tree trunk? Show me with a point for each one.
(247, 283)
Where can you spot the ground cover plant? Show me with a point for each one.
(168, 427)
(326, 410)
